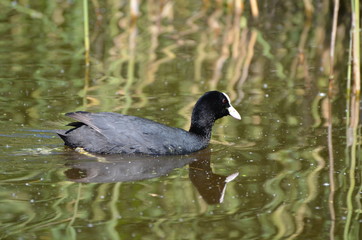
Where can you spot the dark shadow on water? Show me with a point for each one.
(211, 186)
(116, 168)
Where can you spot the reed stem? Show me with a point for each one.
(330, 122)
(355, 109)
(86, 32)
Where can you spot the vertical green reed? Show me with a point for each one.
(86, 31)
(86, 50)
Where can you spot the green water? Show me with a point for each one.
(264, 177)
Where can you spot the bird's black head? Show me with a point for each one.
(210, 107)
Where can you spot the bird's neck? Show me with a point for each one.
(202, 127)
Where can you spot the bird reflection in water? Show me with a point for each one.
(116, 168)
(211, 186)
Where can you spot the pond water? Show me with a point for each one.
(267, 176)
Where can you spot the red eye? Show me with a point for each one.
(224, 101)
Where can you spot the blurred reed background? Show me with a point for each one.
(132, 41)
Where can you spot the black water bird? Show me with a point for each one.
(113, 133)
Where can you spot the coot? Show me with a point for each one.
(110, 133)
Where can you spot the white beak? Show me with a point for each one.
(231, 109)
(233, 112)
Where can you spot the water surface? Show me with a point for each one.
(264, 177)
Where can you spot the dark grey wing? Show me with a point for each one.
(139, 135)
(117, 133)
(83, 117)
(85, 133)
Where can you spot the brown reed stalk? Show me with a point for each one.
(356, 50)
(330, 123)
(254, 8)
(308, 9)
(134, 11)
(355, 109)
(356, 62)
